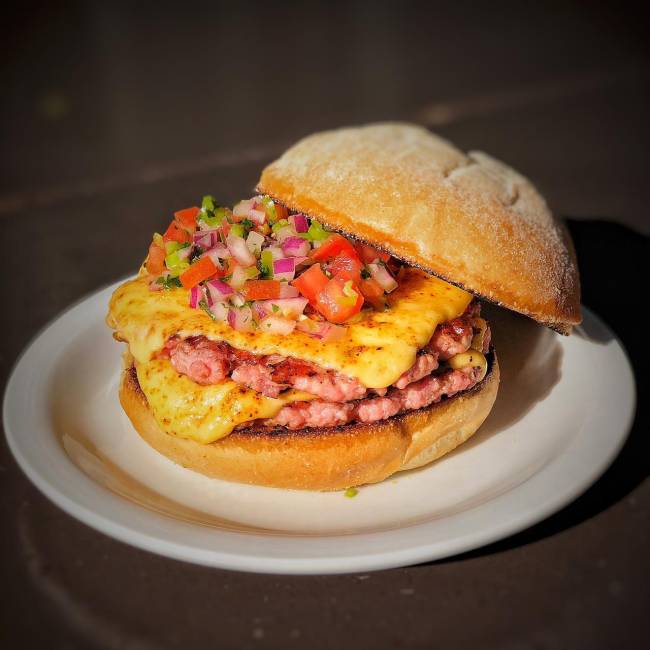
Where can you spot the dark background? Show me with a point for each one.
(114, 114)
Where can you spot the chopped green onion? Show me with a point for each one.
(207, 205)
(316, 232)
(175, 263)
(247, 223)
(266, 263)
(269, 206)
(279, 224)
(238, 229)
(350, 295)
(351, 492)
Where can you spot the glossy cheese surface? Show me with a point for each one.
(186, 409)
(376, 350)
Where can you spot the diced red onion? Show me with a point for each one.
(277, 325)
(284, 269)
(206, 238)
(322, 330)
(238, 278)
(288, 307)
(299, 222)
(254, 242)
(383, 277)
(241, 319)
(237, 246)
(218, 290)
(288, 291)
(258, 310)
(295, 247)
(196, 295)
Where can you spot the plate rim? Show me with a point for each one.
(350, 563)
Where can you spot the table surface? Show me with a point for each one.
(113, 115)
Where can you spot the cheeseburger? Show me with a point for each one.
(327, 332)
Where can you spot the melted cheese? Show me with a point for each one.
(376, 349)
(186, 409)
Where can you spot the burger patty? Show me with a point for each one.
(210, 362)
(416, 395)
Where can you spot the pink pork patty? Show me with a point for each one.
(341, 398)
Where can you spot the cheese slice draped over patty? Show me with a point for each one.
(376, 349)
(183, 408)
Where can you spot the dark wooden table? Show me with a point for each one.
(115, 114)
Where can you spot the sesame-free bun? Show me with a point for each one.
(322, 459)
(467, 218)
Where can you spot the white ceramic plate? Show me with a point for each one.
(563, 412)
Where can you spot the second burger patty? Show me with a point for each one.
(341, 398)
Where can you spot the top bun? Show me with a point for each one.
(466, 218)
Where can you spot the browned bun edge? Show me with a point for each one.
(322, 459)
(467, 218)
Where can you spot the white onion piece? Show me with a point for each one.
(238, 300)
(284, 233)
(257, 216)
(238, 278)
(254, 242)
(277, 325)
(288, 307)
(383, 277)
(237, 246)
(241, 210)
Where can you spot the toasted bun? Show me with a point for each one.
(322, 459)
(469, 219)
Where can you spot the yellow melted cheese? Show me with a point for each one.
(186, 409)
(376, 349)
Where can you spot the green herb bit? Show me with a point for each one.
(247, 223)
(350, 493)
(204, 306)
(169, 282)
(275, 309)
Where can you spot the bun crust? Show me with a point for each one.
(469, 219)
(322, 459)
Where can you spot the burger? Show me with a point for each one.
(327, 332)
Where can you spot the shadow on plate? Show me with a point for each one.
(601, 247)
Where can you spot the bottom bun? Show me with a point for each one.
(322, 459)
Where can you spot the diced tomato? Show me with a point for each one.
(155, 259)
(373, 292)
(187, 217)
(176, 233)
(368, 254)
(335, 303)
(225, 227)
(262, 289)
(333, 246)
(346, 266)
(311, 282)
(281, 212)
(201, 270)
